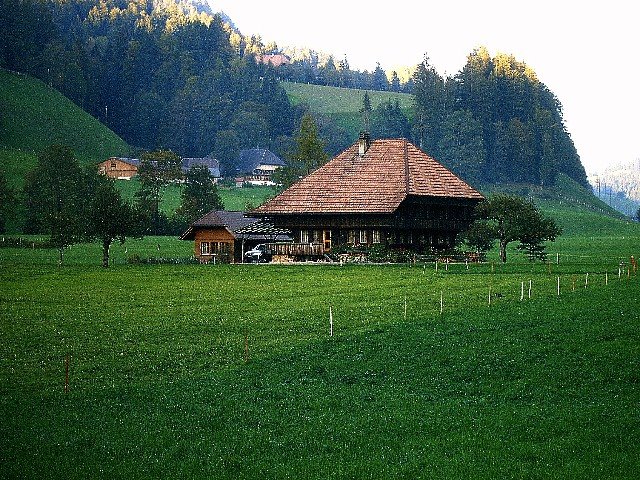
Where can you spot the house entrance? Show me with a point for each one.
(326, 240)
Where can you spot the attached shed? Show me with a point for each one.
(223, 236)
(384, 191)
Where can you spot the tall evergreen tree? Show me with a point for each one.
(200, 194)
(308, 155)
(388, 121)
(366, 111)
(429, 104)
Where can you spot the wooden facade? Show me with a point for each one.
(119, 168)
(216, 245)
(384, 192)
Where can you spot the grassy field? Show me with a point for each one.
(343, 104)
(198, 371)
(35, 116)
(233, 198)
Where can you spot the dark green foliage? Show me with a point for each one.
(109, 217)
(366, 111)
(200, 194)
(461, 146)
(535, 230)
(480, 236)
(388, 121)
(157, 170)
(494, 122)
(53, 194)
(430, 104)
(507, 218)
(227, 151)
(308, 154)
(157, 76)
(7, 201)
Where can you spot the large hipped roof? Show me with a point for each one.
(376, 182)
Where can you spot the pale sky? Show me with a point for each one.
(587, 53)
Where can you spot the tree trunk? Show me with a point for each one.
(106, 243)
(503, 251)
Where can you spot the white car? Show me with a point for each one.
(259, 253)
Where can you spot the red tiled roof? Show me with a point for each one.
(376, 182)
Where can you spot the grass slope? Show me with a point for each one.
(230, 372)
(35, 116)
(343, 105)
(238, 199)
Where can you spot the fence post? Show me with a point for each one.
(66, 374)
(330, 321)
(522, 291)
(558, 286)
(405, 308)
(441, 302)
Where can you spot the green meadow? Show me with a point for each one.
(343, 105)
(234, 371)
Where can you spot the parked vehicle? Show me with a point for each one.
(259, 253)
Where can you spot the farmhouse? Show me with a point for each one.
(211, 163)
(257, 165)
(223, 236)
(119, 168)
(384, 192)
(127, 168)
(275, 59)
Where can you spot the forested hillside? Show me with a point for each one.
(160, 74)
(168, 74)
(494, 122)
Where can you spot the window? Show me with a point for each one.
(351, 237)
(304, 236)
(375, 236)
(113, 165)
(317, 236)
(204, 248)
(362, 236)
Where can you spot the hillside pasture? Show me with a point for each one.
(35, 116)
(205, 371)
(343, 105)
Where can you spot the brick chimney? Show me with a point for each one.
(364, 140)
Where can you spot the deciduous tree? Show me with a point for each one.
(53, 196)
(511, 218)
(157, 169)
(109, 217)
